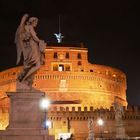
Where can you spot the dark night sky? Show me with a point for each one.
(109, 28)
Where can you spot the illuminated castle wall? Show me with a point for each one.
(68, 79)
(68, 76)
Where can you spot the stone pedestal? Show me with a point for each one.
(120, 132)
(26, 118)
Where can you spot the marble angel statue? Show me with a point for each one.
(32, 49)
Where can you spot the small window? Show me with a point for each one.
(67, 55)
(79, 56)
(91, 70)
(79, 63)
(55, 55)
(55, 67)
(61, 68)
(67, 68)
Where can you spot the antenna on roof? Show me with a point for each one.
(59, 36)
(59, 25)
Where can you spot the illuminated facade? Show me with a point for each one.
(73, 85)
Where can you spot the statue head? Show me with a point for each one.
(33, 21)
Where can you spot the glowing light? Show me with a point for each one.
(100, 122)
(60, 68)
(45, 103)
(48, 124)
(64, 135)
(114, 75)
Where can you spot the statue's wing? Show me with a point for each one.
(19, 37)
(56, 34)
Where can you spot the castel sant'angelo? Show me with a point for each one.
(78, 91)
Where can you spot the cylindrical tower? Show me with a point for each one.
(68, 78)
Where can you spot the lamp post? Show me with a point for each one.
(100, 123)
(44, 104)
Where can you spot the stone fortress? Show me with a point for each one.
(78, 91)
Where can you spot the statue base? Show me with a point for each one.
(120, 132)
(25, 134)
(26, 118)
(22, 87)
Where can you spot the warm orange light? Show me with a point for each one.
(114, 75)
(100, 122)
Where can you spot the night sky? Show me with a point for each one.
(110, 29)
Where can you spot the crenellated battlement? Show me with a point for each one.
(91, 109)
(127, 110)
(74, 113)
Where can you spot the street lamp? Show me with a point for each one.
(48, 124)
(100, 123)
(44, 104)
